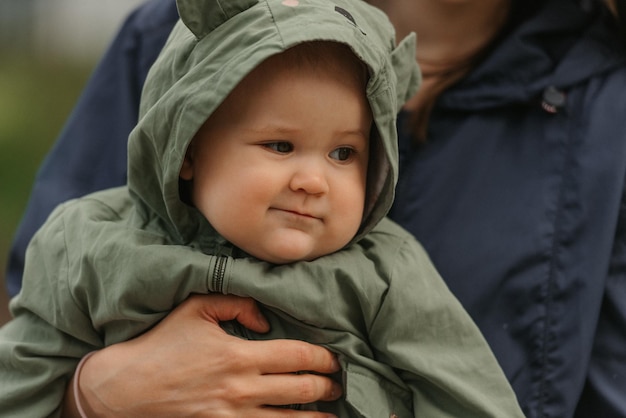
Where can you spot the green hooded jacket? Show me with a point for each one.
(109, 266)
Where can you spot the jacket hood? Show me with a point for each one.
(212, 48)
(550, 47)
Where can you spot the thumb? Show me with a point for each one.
(217, 308)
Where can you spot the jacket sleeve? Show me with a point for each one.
(88, 283)
(422, 331)
(90, 153)
(37, 354)
(382, 304)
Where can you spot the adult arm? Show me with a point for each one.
(90, 153)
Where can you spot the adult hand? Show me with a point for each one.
(188, 366)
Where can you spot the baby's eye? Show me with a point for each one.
(282, 147)
(342, 153)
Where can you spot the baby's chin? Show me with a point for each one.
(291, 253)
(289, 245)
(284, 258)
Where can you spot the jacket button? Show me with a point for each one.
(553, 99)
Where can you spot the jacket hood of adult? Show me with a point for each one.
(214, 46)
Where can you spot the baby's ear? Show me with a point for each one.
(186, 171)
(202, 16)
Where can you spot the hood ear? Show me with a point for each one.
(202, 16)
(403, 61)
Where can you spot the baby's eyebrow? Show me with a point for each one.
(358, 132)
(272, 129)
(284, 129)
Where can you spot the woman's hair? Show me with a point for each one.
(324, 55)
(618, 9)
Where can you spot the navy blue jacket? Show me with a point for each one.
(518, 195)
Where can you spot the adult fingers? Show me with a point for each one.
(269, 357)
(270, 412)
(290, 388)
(289, 356)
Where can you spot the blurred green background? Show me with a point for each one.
(47, 53)
(36, 96)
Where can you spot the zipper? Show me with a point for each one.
(233, 327)
(219, 273)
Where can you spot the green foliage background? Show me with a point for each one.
(37, 95)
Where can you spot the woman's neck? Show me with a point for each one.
(448, 31)
(451, 34)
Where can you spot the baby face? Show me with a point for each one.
(280, 168)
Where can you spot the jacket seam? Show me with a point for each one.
(554, 259)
